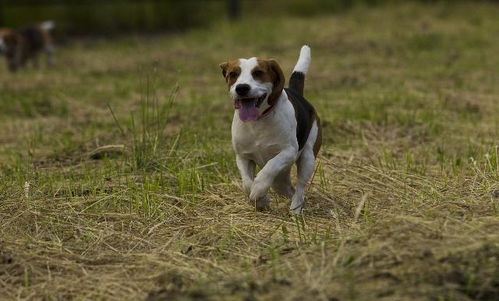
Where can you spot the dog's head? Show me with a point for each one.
(10, 43)
(9, 40)
(254, 85)
(4, 36)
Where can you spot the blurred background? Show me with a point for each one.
(96, 17)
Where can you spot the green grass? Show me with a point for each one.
(404, 204)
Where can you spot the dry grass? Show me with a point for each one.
(404, 204)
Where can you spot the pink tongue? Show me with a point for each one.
(248, 111)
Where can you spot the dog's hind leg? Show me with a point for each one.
(306, 167)
(282, 184)
(36, 60)
(50, 50)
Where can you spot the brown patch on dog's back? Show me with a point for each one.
(231, 71)
(46, 36)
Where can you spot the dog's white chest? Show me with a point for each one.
(259, 147)
(261, 140)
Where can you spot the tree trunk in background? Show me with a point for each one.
(2, 22)
(234, 8)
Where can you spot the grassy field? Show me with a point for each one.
(404, 204)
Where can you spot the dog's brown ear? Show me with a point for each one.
(277, 80)
(224, 66)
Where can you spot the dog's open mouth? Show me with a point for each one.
(248, 107)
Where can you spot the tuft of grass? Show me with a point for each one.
(148, 129)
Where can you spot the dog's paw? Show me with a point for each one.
(258, 190)
(297, 204)
(263, 204)
(296, 211)
(247, 184)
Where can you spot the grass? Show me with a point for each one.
(404, 204)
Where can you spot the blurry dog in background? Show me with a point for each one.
(25, 44)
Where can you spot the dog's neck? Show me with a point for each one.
(272, 105)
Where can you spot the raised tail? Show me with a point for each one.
(47, 25)
(297, 79)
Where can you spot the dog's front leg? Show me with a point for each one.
(49, 49)
(36, 61)
(247, 169)
(266, 176)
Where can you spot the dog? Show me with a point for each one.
(272, 128)
(26, 44)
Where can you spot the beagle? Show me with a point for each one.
(273, 127)
(25, 44)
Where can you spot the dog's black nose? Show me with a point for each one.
(242, 89)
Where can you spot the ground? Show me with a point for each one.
(404, 204)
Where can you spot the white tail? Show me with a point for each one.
(304, 60)
(47, 25)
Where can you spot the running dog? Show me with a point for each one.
(273, 127)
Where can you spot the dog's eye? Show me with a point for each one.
(257, 73)
(233, 74)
